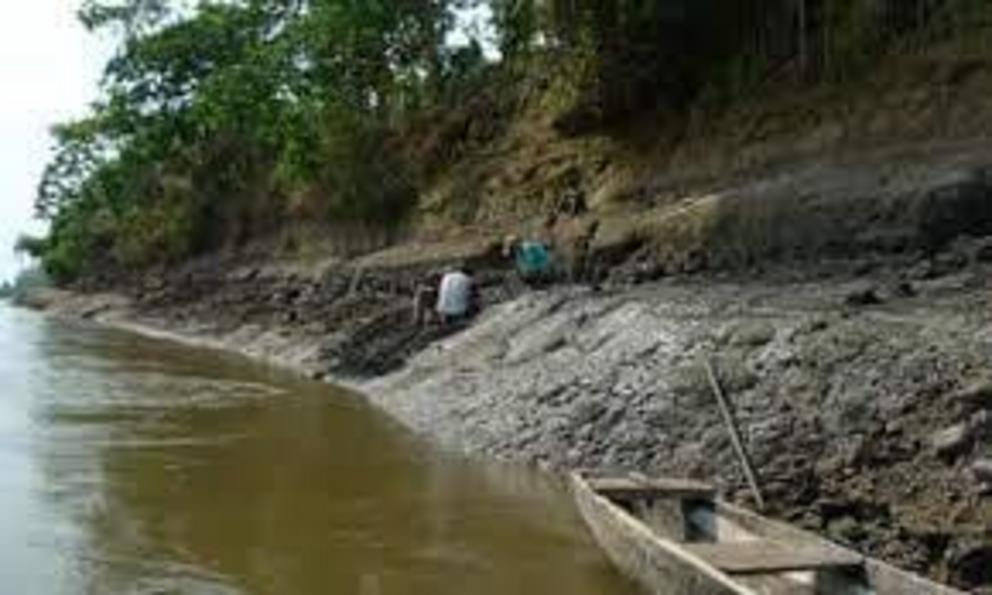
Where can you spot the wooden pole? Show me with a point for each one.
(735, 434)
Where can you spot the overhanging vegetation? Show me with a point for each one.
(222, 123)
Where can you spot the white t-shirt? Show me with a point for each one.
(453, 297)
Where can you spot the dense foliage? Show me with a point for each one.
(216, 121)
(219, 121)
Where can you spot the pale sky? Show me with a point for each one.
(50, 66)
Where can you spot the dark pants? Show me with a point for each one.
(423, 304)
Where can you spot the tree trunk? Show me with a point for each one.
(802, 41)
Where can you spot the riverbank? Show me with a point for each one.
(845, 304)
(865, 399)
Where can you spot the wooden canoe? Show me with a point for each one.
(675, 537)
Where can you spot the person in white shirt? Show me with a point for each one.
(454, 298)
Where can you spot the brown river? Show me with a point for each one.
(135, 466)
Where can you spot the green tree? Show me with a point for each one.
(214, 119)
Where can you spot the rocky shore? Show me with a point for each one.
(866, 401)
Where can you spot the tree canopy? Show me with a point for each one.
(214, 117)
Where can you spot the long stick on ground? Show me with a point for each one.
(735, 434)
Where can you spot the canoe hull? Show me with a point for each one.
(660, 566)
(664, 566)
(883, 578)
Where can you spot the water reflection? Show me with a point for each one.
(134, 466)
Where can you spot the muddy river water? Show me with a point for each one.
(135, 466)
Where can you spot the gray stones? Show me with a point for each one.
(735, 375)
(847, 530)
(587, 412)
(958, 207)
(896, 289)
(863, 295)
(980, 424)
(983, 252)
(982, 470)
(951, 441)
(970, 562)
(957, 439)
(975, 395)
(539, 340)
(749, 334)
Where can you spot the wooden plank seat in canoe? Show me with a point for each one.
(676, 537)
(767, 557)
(631, 489)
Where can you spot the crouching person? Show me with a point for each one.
(456, 296)
(531, 259)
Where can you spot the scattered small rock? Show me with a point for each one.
(971, 564)
(830, 509)
(587, 412)
(980, 424)
(904, 289)
(922, 271)
(951, 441)
(975, 395)
(750, 334)
(983, 253)
(154, 283)
(817, 324)
(863, 267)
(864, 296)
(950, 262)
(847, 529)
(982, 470)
